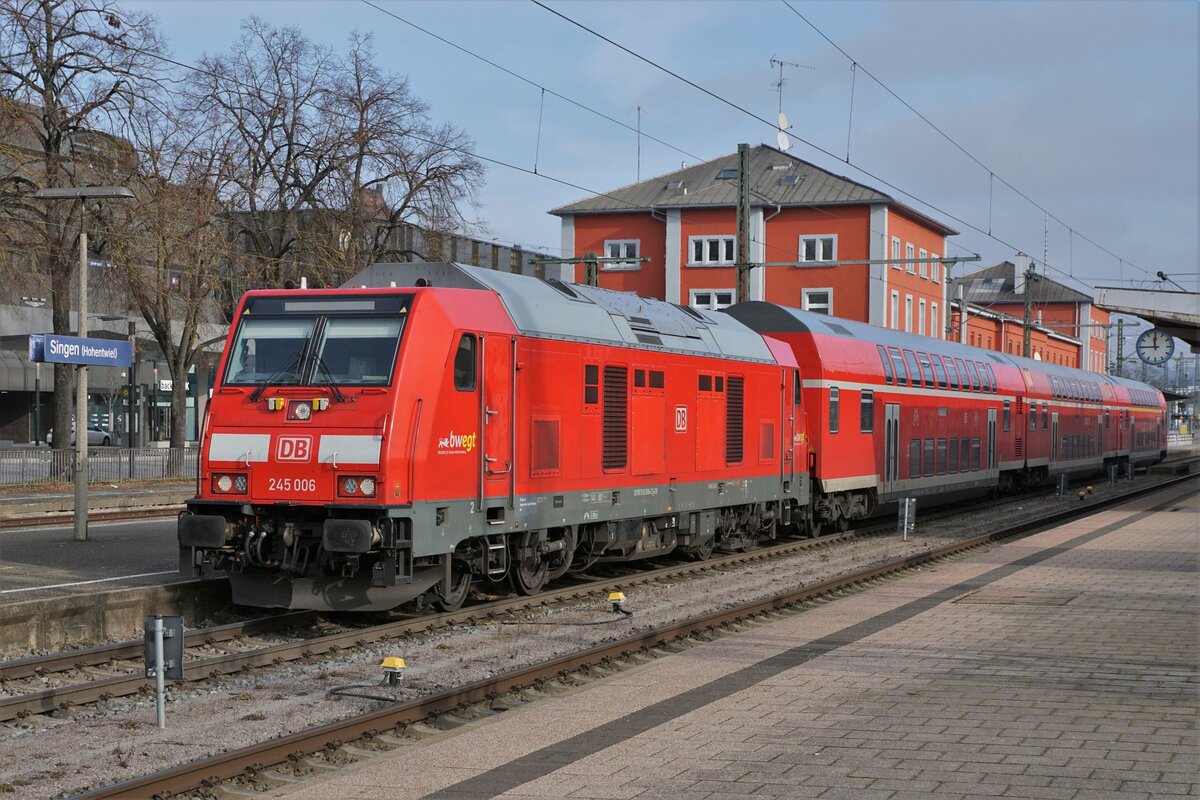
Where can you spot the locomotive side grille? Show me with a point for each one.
(545, 446)
(615, 453)
(1019, 450)
(734, 423)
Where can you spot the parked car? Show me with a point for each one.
(96, 436)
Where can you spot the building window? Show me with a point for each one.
(818, 248)
(935, 267)
(935, 322)
(896, 253)
(819, 301)
(921, 317)
(709, 251)
(910, 259)
(908, 313)
(924, 265)
(895, 311)
(622, 248)
(710, 299)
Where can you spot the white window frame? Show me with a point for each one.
(831, 238)
(908, 308)
(895, 310)
(622, 266)
(896, 253)
(713, 304)
(923, 254)
(936, 264)
(910, 256)
(726, 244)
(935, 322)
(921, 316)
(818, 308)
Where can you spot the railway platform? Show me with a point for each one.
(1062, 665)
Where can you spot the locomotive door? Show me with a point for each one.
(891, 447)
(991, 439)
(497, 403)
(1054, 437)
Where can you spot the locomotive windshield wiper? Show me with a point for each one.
(329, 380)
(288, 367)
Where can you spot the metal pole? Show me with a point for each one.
(742, 270)
(160, 687)
(81, 394)
(129, 399)
(37, 402)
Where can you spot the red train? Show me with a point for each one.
(368, 447)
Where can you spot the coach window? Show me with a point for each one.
(1007, 415)
(941, 456)
(866, 411)
(926, 369)
(964, 378)
(974, 376)
(964, 455)
(953, 373)
(888, 375)
(464, 364)
(898, 363)
(1106, 420)
(914, 458)
(993, 386)
(953, 454)
(939, 371)
(914, 369)
(975, 450)
(1045, 415)
(834, 403)
(928, 457)
(1033, 416)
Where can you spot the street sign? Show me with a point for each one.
(51, 347)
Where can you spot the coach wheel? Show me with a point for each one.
(842, 523)
(703, 552)
(460, 575)
(813, 527)
(527, 574)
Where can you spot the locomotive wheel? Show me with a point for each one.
(843, 523)
(561, 561)
(527, 575)
(703, 552)
(813, 528)
(460, 573)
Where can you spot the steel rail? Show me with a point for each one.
(207, 772)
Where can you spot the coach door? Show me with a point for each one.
(497, 399)
(991, 439)
(1054, 437)
(891, 447)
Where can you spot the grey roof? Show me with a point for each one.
(556, 310)
(996, 284)
(776, 178)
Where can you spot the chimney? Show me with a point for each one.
(1022, 266)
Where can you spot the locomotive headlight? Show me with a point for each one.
(240, 483)
(367, 487)
(356, 486)
(349, 486)
(224, 483)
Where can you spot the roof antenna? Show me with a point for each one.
(781, 137)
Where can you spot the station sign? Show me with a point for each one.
(55, 349)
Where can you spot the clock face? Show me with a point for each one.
(1155, 346)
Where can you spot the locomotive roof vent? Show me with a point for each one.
(842, 329)
(567, 290)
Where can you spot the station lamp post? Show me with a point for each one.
(82, 194)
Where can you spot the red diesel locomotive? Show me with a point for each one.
(368, 447)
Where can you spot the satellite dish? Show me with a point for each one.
(784, 141)
(783, 121)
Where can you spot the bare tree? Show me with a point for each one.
(170, 243)
(327, 157)
(65, 66)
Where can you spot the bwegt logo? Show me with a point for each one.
(457, 443)
(293, 448)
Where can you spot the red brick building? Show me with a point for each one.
(1067, 328)
(684, 224)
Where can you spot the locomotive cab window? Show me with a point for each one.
(464, 364)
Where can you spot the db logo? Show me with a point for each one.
(680, 419)
(293, 448)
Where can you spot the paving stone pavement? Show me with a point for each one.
(1063, 665)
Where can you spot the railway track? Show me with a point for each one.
(279, 761)
(106, 672)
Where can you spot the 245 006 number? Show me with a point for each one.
(291, 484)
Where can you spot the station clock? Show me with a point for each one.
(1155, 347)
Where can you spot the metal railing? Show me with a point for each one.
(33, 466)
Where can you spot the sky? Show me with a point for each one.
(1067, 130)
